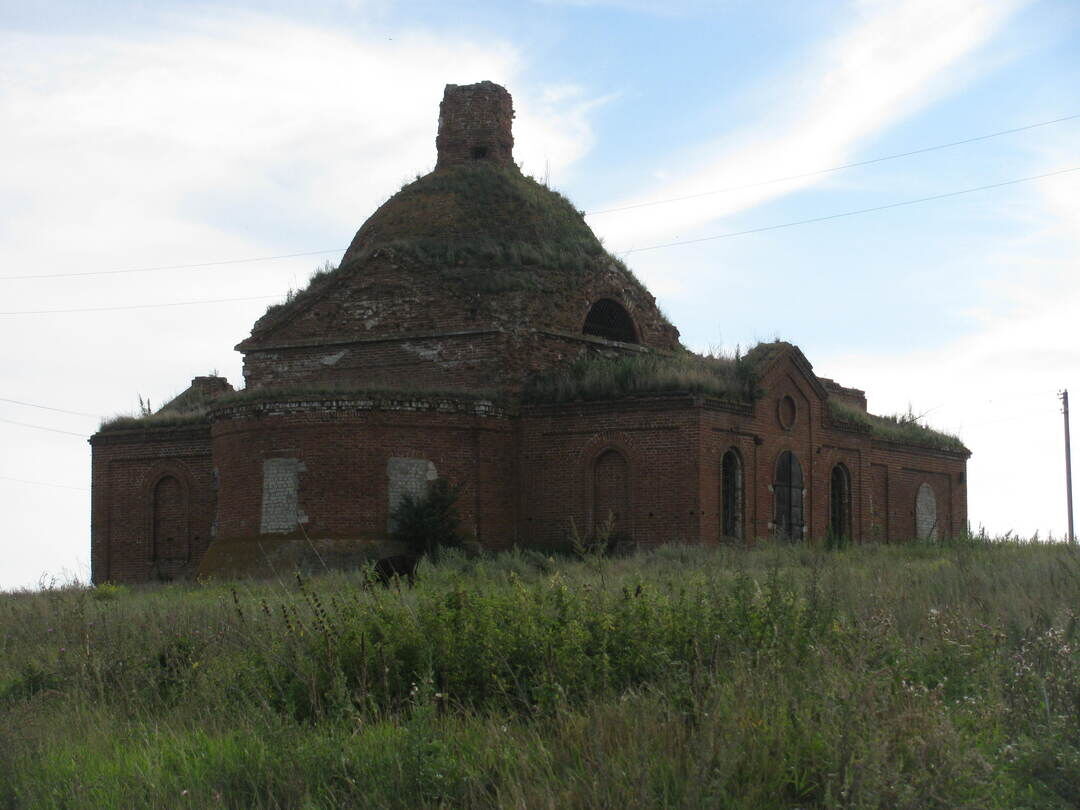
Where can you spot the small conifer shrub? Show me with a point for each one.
(427, 523)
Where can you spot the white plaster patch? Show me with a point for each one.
(926, 524)
(421, 351)
(407, 476)
(281, 495)
(331, 359)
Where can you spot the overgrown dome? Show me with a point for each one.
(480, 261)
(478, 206)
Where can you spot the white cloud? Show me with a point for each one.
(894, 59)
(997, 386)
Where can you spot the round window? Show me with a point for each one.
(786, 412)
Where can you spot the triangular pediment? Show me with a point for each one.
(779, 357)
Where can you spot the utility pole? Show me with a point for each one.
(1068, 462)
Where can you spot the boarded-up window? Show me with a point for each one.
(611, 480)
(731, 495)
(608, 319)
(170, 541)
(281, 495)
(788, 497)
(926, 521)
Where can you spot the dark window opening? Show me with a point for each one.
(788, 497)
(479, 152)
(608, 319)
(731, 495)
(840, 504)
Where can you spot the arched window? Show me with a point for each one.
(926, 522)
(731, 495)
(611, 484)
(788, 497)
(608, 319)
(170, 541)
(840, 504)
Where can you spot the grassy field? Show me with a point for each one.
(878, 676)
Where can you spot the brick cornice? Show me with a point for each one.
(144, 434)
(251, 345)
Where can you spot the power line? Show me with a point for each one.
(832, 168)
(174, 266)
(40, 427)
(621, 252)
(42, 483)
(48, 408)
(588, 213)
(140, 306)
(850, 213)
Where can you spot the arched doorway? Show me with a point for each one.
(788, 497)
(731, 496)
(611, 483)
(840, 505)
(170, 549)
(609, 319)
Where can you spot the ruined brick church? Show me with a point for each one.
(476, 330)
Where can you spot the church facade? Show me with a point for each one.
(476, 330)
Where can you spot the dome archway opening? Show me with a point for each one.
(609, 319)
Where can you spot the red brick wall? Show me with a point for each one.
(674, 448)
(560, 447)
(654, 461)
(133, 469)
(610, 492)
(884, 476)
(345, 448)
(879, 502)
(389, 319)
(472, 117)
(171, 546)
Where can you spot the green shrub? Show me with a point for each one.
(427, 523)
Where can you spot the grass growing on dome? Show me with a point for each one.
(481, 201)
(464, 221)
(320, 277)
(902, 428)
(599, 377)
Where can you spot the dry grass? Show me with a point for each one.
(598, 377)
(904, 429)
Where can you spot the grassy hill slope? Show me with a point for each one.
(896, 676)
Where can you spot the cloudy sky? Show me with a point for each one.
(147, 135)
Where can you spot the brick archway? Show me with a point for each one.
(610, 491)
(167, 499)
